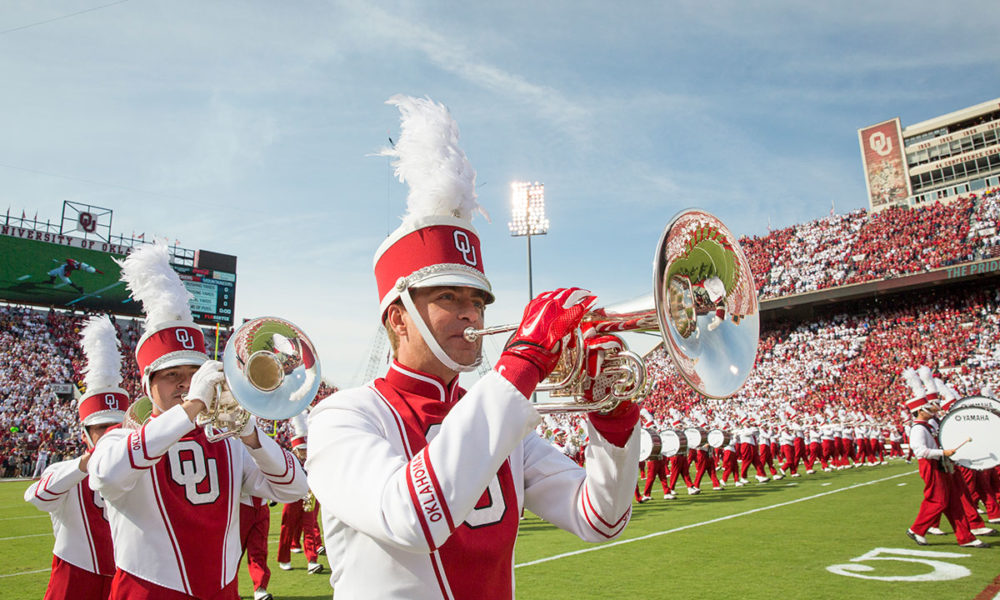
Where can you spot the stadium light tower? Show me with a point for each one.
(528, 216)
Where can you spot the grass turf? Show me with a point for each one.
(773, 540)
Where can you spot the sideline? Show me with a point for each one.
(25, 573)
(709, 522)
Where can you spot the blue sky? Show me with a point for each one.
(249, 127)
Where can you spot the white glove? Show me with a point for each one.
(203, 383)
(249, 427)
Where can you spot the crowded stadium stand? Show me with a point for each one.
(841, 353)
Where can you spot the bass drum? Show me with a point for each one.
(977, 431)
(696, 436)
(674, 442)
(718, 438)
(649, 444)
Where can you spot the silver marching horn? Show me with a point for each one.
(704, 305)
(272, 371)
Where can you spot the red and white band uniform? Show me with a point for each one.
(828, 447)
(747, 440)
(173, 494)
(730, 464)
(847, 446)
(764, 450)
(704, 461)
(414, 515)
(295, 521)
(656, 467)
(800, 445)
(941, 492)
(255, 523)
(83, 558)
(786, 441)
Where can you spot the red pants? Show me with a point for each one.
(941, 495)
(679, 466)
(704, 461)
(800, 451)
(255, 522)
(129, 587)
(789, 464)
(70, 581)
(729, 465)
(294, 518)
(656, 467)
(765, 458)
(748, 456)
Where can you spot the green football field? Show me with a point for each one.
(828, 535)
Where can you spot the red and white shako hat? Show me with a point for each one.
(104, 401)
(436, 245)
(920, 397)
(300, 431)
(171, 338)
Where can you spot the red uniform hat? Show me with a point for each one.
(103, 406)
(171, 339)
(430, 251)
(104, 401)
(436, 244)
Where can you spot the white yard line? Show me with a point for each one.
(709, 522)
(26, 573)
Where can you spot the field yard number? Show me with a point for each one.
(940, 570)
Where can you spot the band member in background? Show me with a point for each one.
(83, 558)
(423, 483)
(656, 467)
(170, 492)
(299, 517)
(255, 522)
(941, 494)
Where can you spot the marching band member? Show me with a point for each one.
(941, 494)
(679, 467)
(786, 441)
(255, 523)
(423, 483)
(171, 493)
(299, 517)
(704, 460)
(83, 558)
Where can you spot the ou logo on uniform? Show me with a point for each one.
(184, 339)
(464, 245)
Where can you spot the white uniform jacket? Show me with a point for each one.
(83, 537)
(422, 493)
(173, 498)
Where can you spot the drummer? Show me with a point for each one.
(942, 494)
(656, 466)
(679, 465)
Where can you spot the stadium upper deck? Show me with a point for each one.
(936, 160)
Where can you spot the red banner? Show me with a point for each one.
(885, 163)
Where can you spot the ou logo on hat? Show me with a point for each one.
(464, 245)
(184, 338)
(111, 401)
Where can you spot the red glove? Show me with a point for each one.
(617, 425)
(533, 352)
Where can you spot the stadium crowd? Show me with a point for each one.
(858, 247)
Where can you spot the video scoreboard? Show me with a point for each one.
(214, 294)
(47, 269)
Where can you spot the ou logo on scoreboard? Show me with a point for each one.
(88, 222)
(184, 338)
(464, 245)
(188, 468)
(111, 401)
(880, 144)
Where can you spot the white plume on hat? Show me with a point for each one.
(153, 282)
(913, 380)
(928, 379)
(428, 159)
(104, 362)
